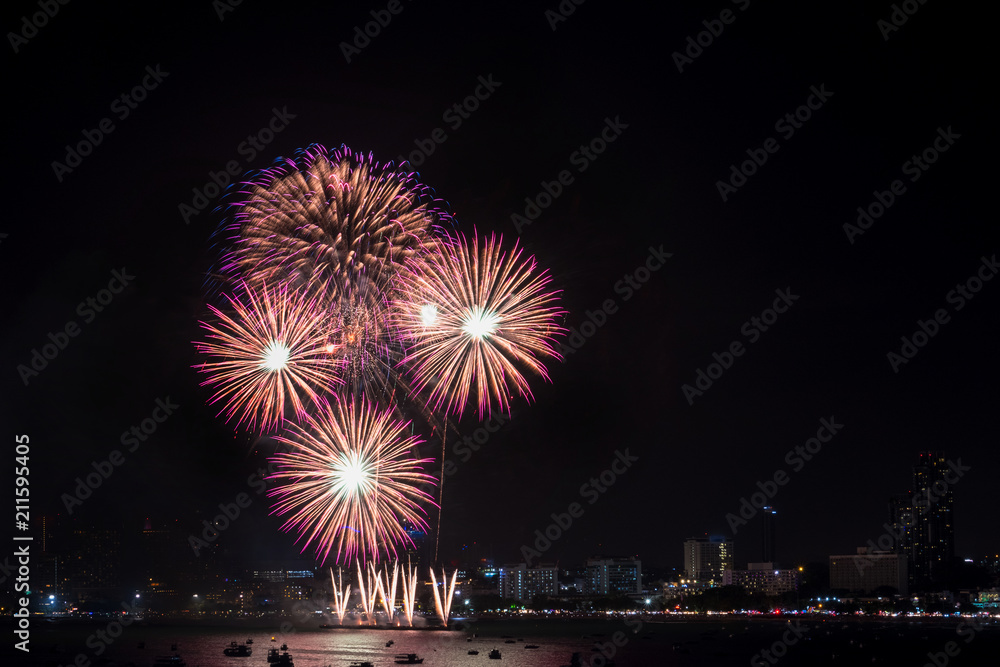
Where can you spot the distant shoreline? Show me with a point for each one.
(474, 624)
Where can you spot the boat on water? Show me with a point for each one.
(408, 659)
(285, 660)
(473, 652)
(510, 641)
(249, 640)
(362, 664)
(389, 643)
(495, 654)
(169, 661)
(531, 646)
(235, 650)
(272, 655)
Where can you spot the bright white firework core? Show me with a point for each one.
(479, 323)
(275, 356)
(429, 314)
(352, 475)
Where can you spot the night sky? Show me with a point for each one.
(880, 97)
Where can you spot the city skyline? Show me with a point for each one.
(163, 547)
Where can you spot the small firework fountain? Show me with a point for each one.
(340, 595)
(443, 606)
(345, 310)
(409, 592)
(368, 587)
(387, 590)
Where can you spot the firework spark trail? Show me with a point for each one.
(409, 592)
(388, 599)
(340, 595)
(473, 316)
(367, 592)
(443, 607)
(350, 482)
(268, 359)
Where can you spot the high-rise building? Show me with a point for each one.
(706, 558)
(768, 541)
(519, 582)
(417, 551)
(923, 525)
(933, 547)
(901, 521)
(93, 564)
(614, 576)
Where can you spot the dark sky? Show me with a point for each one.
(883, 101)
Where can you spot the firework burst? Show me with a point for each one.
(350, 483)
(268, 357)
(339, 225)
(327, 218)
(474, 316)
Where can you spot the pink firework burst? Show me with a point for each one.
(339, 225)
(270, 358)
(326, 218)
(475, 316)
(350, 482)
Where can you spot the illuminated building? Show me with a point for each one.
(706, 559)
(933, 545)
(93, 564)
(763, 578)
(613, 576)
(867, 570)
(521, 583)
